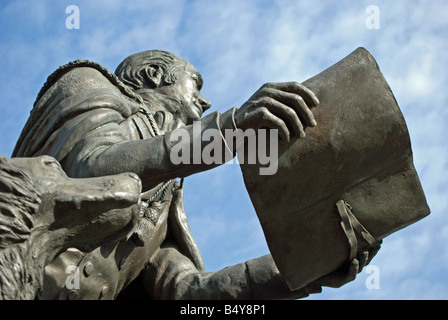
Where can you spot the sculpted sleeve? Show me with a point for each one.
(171, 275)
(112, 148)
(176, 270)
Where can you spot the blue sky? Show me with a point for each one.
(238, 46)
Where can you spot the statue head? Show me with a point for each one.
(164, 73)
(149, 69)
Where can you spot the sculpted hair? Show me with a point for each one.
(19, 200)
(134, 70)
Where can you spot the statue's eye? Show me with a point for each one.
(197, 80)
(52, 163)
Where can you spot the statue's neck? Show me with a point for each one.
(166, 110)
(155, 101)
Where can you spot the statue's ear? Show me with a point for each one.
(153, 76)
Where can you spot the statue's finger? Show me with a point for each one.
(295, 102)
(286, 114)
(297, 88)
(352, 270)
(267, 120)
(363, 258)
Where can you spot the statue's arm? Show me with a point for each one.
(171, 275)
(109, 150)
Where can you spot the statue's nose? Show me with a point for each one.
(205, 104)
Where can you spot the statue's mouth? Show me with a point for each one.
(200, 110)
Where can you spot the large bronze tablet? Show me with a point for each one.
(360, 153)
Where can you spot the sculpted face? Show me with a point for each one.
(186, 89)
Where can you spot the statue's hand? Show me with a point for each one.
(345, 274)
(283, 106)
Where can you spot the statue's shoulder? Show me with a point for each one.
(80, 76)
(75, 88)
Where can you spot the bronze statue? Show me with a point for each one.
(96, 123)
